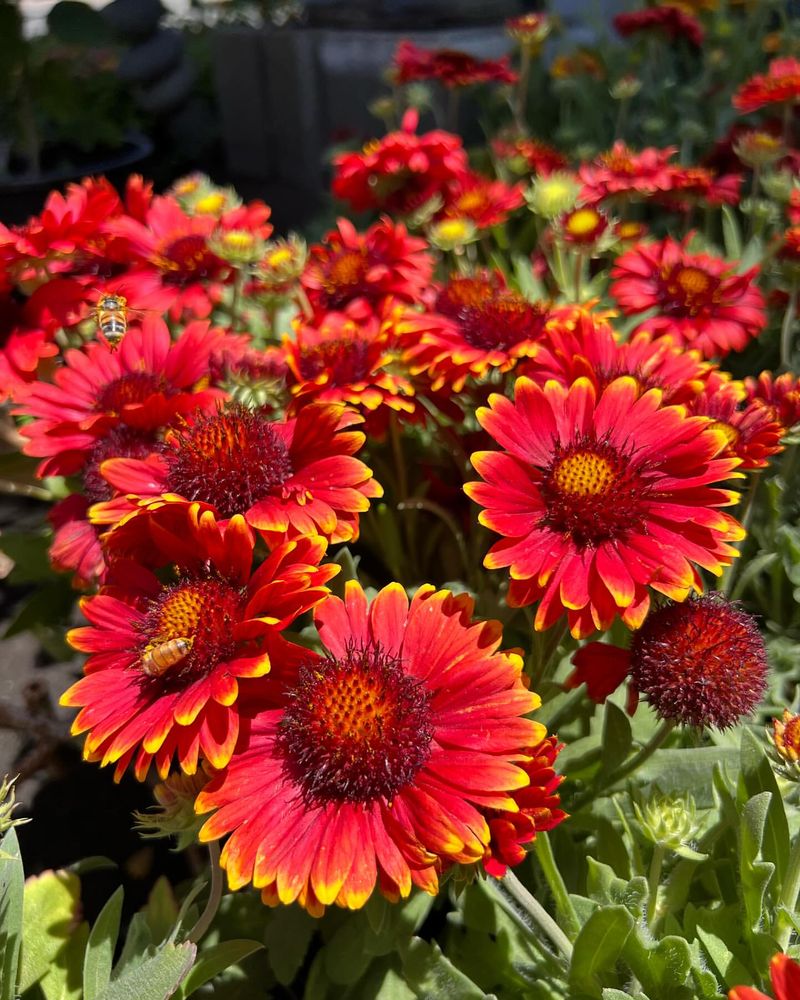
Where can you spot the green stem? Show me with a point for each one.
(653, 882)
(529, 912)
(214, 896)
(622, 116)
(521, 102)
(422, 503)
(578, 275)
(786, 328)
(657, 740)
(564, 907)
(238, 281)
(788, 897)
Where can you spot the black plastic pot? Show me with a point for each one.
(21, 197)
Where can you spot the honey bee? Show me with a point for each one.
(111, 315)
(158, 659)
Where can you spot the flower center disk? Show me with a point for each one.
(231, 460)
(356, 729)
(200, 611)
(593, 493)
(129, 390)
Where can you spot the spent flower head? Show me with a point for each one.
(173, 814)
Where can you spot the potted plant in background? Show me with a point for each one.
(64, 112)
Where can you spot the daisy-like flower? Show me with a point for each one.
(400, 172)
(585, 228)
(601, 497)
(702, 302)
(690, 186)
(699, 663)
(781, 83)
(753, 428)
(174, 634)
(173, 246)
(667, 19)
(451, 67)
(621, 172)
(145, 384)
(481, 200)
(524, 155)
(297, 476)
(341, 361)
(580, 62)
(539, 810)
(578, 342)
(785, 977)
(355, 272)
(530, 31)
(478, 325)
(781, 393)
(377, 763)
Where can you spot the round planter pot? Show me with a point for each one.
(21, 197)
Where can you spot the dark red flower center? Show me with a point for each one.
(121, 442)
(356, 729)
(344, 276)
(130, 389)
(593, 493)
(187, 258)
(344, 360)
(231, 460)
(489, 318)
(687, 290)
(188, 629)
(701, 663)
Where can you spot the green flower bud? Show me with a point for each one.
(670, 821)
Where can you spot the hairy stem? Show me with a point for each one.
(529, 912)
(214, 895)
(564, 907)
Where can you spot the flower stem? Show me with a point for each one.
(786, 328)
(564, 907)
(528, 911)
(521, 102)
(788, 897)
(653, 882)
(214, 896)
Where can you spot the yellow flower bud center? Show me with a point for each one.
(584, 473)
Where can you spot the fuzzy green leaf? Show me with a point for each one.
(12, 881)
(51, 903)
(100, 947)
(599, 945)
(157, 978)
(214, 960)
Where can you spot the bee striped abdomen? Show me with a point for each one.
(156, 660)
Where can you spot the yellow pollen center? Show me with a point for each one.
(764, 141)
(278, 257)
(471, 201)
(584, 474)
(453, 229)
(180, 614)
(239, 240)
(583, 221)
(692, 280)
(211, 204)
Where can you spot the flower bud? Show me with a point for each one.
(670, 821)
(7, 805)
(174, 815)
(553, 195)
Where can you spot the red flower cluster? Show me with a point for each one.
(668, 19)
(781, 83)
(531, 154)
(449, 67)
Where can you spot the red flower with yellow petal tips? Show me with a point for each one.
(580, 343)
(378, 762)
(600, 497)
(357, 363)
(145, 384)
(353, 272)
(753, 428)
(297, 476)
(782, 393)
(539, 810)
(701, 300)
(623, 172)
(781, 83)
(174, 634)
(484, 201)
(478, 325)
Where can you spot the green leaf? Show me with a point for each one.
(346, 956)
(730, 970)
(161, 910)
(12, 887)
(100, 947)
(731, 233)
(431, 975)
(64, 979)
(599, 945)
(78, 24)
(157, 978)
(216, 959)
(50, 906)
(617, 737)
(138, 942)
(757, 776)
(287, 940)
(344, 558)
(755, 874)
(393, 987)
